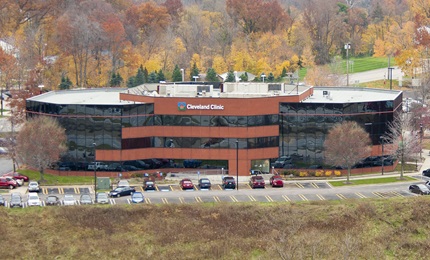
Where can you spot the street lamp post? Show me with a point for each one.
(183, 74)
(382, 157)
(421, 140)
(347, 48)
(237, 164)
(95, 174)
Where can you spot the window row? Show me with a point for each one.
(333, 108)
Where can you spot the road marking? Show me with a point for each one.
(112, 201)
(60, 190)
(233, 198)
(77, 191)
(397, 194)
(320, 197)
(164, 200)
(128, 201)
(45, 191)
(303, 197)
(147, 200)
(285, 197)
(268, 198)
(315, 185)
(216, 199)
(141, 189)
(156, 187)
(198, 199)
(170, 187)
(341, 196)
(299, 185)
(378, 194)
(251, 198)
(181, 200)
(360, 195)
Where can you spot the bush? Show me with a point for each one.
(337, 173)
(303, 174)
(328, 173)
(319, 173)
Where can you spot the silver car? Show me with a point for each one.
(102, 198)
(69, 200)
(33, 186)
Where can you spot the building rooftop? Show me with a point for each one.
(350, 95)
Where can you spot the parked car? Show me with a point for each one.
(85, 199)
(123, 183)
(426, 172)
(33, 186)
(419, 189)
(204, 183)
(15, 200)
(69, 200)
(148, 185)
(19, 182)
(2, 201)
(121, 191)
(257, 182)
(8, 183)
(186, 184)
(52, 200)
(282, 161)
(137, 197)
(102, 198)
(17, 175)
(276, 181)
(33, 200)
(228, 182)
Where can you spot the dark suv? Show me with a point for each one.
(228, 183)
(257, 182)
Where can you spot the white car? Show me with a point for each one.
(33, 186)
(69, 200)
(33, 200)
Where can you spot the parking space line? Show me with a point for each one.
(170, 187)
(198, 199)
(360, 195)
(164, 200)
(320, 197)
(45, 191)
(299, 185)
(60, 190)
(303, 197)
(181, 200)
(216, 198)
(268, 198)
(219, 186)
(112, 201)
(341, 196)
(141, 188)
(233, 198)
(315, 185)
(147, 200)
(156, 187)
(285, 197)
(397, 194)
(249, 186)
(76, 190)
(251, 198)
(128, 201)
(378, 194)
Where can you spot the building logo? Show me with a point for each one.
(182, 106)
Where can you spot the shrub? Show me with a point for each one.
(319, 173)
(337, 173)
(328, 173)
(303, 174)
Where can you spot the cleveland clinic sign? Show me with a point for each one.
(182, 106)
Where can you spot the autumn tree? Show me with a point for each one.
(40, 143)
(346, 144)
(403, 140)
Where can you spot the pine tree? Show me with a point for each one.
(284, 72)
(130, 82)
(65, 83)
(152, 77)
(145, 73)
(211, 75)
(160, 76)
(244, 77)
(112, 81)
(230, 77)
(271, 77)
(177, 75)
(194, 71)
(140, 77)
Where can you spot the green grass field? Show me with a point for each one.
(366, 63)
(58, 180)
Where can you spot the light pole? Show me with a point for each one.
(195, 78)
(347, 48)
(183, 74)
(237, 164)
(382, 157)
(95, 175)
(421, 140)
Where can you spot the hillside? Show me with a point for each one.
(363, 229)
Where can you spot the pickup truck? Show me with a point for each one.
(98, 166)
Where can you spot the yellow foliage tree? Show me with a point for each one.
(219, 64)
(196, 59)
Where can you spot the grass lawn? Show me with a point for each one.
(366, 63)
(59, 180)
(371, 181)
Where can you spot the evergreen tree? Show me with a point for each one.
(65, 83)
(271, 77)
(160, 76)
(230, 77)
(211, 75)
(244, 77)
(112, 81)
(130, 82)
(140, 77)
(194, 71)
(116, 80)
(284, 72)
(177, 75)
(145, 73)
(152, 77)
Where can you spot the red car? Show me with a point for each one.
(8, 183)
(276, 181)
(16, 175)
(257, 182)
(186, 184)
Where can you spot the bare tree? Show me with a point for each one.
(346, 144)
(404, 141)
(40, 143)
